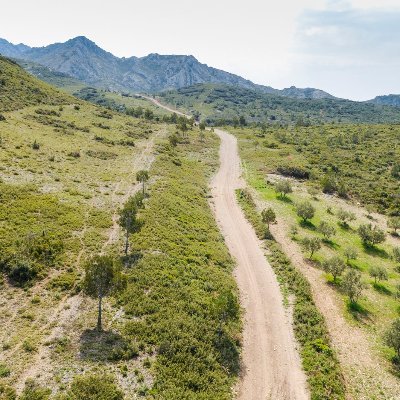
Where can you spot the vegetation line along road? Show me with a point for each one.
(272, 367)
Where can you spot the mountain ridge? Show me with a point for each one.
(83, 59)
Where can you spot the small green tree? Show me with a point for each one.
(345, 217)
(392, 337)
(103, 276)
(283, 188)
(371, 235)
(311, 245)
(326, 230)
(142, 176)
(352, 284)
(335, 266)
(379, 273)
(128, 216)
(305, 210)
(350, 253)
(94, 387)
(394, 223)
(268, 216)
(226, 306)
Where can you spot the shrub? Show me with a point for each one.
(394, 223)
(371, 235)
(311, 244)
(94, 387)
(350, 253)
(352, 285)
(4, 371)
(305, 210)
(283, 187)
(22, 270)
(345, 216)
(335, 266)
(33, 391)
(326, 230)
(379, 273)
(2, 117)
(7, 392)
(392, 337)
(35, 145)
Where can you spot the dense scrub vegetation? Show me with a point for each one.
(220, 104)
(181, 295)
(352, 161)
(318, 359)
(16, 93)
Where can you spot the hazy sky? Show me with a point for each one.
(350, 48)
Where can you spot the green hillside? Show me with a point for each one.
(223, 105)
(18, 89)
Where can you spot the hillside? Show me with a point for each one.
(389, 100)
(18, 89)
(67, 168)
(84, 60)
(223, 104)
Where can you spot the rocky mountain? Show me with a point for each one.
(389, 100)
(82, 59)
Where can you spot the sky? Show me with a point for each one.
(349, 48)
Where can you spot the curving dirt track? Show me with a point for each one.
(272, 367)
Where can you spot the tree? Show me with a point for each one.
(128, 216)
(142, 176)
(305, 210)
(371, 235)
(335, 266)
(379, 273)
(392, 337)
(352, 285)
(345, 216)
(202, 127)
(268, 216)
(283, 187)
(326, 230)
(103, 276)
(94, 387)
(350, 254)
(394, 223)
(311, 244)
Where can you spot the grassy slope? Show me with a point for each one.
(69, 187)
(219, 103)
(378, 306)
(344, 152)
(174, 288)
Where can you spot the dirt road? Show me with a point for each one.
(272, 368)
(158, 104)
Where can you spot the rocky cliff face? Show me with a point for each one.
(82, 59)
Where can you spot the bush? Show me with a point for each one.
(21, 270)
(4, 371)
(392, 337)
(7, 392)
(326, 230)
(283, 187)
(352, 285)
(335, 266)
(32, 391)
(305, 210)
(371, 235)
(94, 387)
(345, 216)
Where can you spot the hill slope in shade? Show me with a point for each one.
(84, 60)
